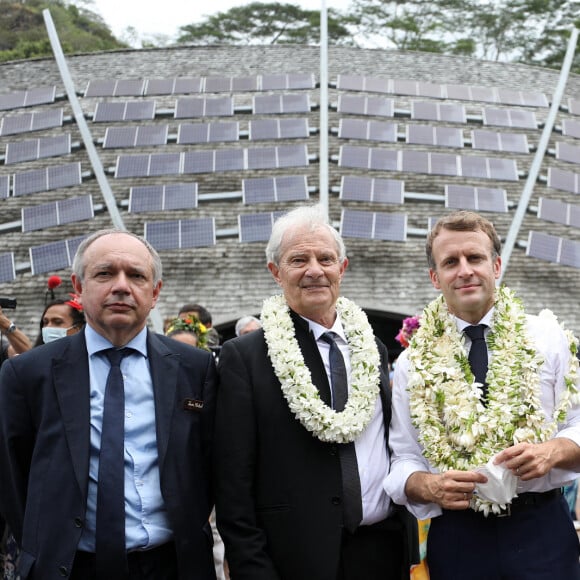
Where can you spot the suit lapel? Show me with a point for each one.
(164, 366)
(312, 357)
(72, 385)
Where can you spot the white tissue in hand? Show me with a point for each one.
(501, 483)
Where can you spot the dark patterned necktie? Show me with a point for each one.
(352, 499)
(478, 354)
(111, 558)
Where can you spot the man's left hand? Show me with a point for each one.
(532, 460)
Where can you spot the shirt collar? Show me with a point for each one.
(97, 343)
(318, 330)
(462, 325)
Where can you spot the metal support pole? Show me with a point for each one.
(323, 178)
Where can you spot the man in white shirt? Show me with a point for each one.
(449, 421)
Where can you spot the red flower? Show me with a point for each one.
(53, 282)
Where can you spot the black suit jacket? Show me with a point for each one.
(44, 451)
(278, 488)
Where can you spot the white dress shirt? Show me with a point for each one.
(370, 447)
(407, 456)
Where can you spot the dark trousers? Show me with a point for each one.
(155, 564)
(536, 542)
(372, 553)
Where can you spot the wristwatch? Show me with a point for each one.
(11, 328)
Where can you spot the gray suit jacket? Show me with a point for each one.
(44, 451)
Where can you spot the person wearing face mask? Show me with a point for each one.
(60, 318)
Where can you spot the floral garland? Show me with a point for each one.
(302, 396)
(455, 429)
(190, 324)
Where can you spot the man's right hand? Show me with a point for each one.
(451, 490)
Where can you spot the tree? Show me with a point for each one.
(23, 32)
(266, 23)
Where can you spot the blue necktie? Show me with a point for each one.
(111, 557)
(352, 498)
(478, 354)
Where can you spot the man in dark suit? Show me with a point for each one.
(55, 434)
(299, 475)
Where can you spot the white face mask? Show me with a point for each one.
(50, 333)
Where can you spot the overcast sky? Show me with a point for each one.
(165, 17)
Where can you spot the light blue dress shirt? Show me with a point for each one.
(146, 521)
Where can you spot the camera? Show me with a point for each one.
(8, 303)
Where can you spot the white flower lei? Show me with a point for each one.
(456, 430)
(302, 396)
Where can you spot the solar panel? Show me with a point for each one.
(566, 152)
(129, 88)
(405, 87)
(139, 111)
(450, 112)
(66, 175)
(570, 253)
(574, 215)
(4, 186)
(269, 189)
(218, 85)
(300, 81)
(54, 256)
(517, 118)
(132, 166)
(109, 112)
(290, 128)
(198, 233)
(21, 151)
(553, 210)
(151, 135)
(458, 92)
(431, 135)
(146, 198)
(384, 160)
(280, 104)
(415, 161)
(563, 180)
(57, 213)
(39, 96)
(377, 85)
(346, 82)
(180, 196)
(54, 146)
(503, 169)
(574, 106)
(242, 84)
(100, 88)
(570, 128)
(373, 226)
(430, 90)
(75, 209)
(30, 182)
(189, 107)
(355, 188)
(476, 198)
(159, 87)
(492, 141)
(119, 137)
(476, 167)
(255, 227)
(192, 133)
(391, 227)
(360, 105)
(163, 235)
(49, 257)
(31, 122)
(229, 160)
(262, 158)
(292, 156)
(198, 162)
(444, 164)
(187, 85)
(12, 101)
(165, 164)
(358, 157)
(7, 271)
(543, 247)
(180, 234)
(368, 130)
(274, 82)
